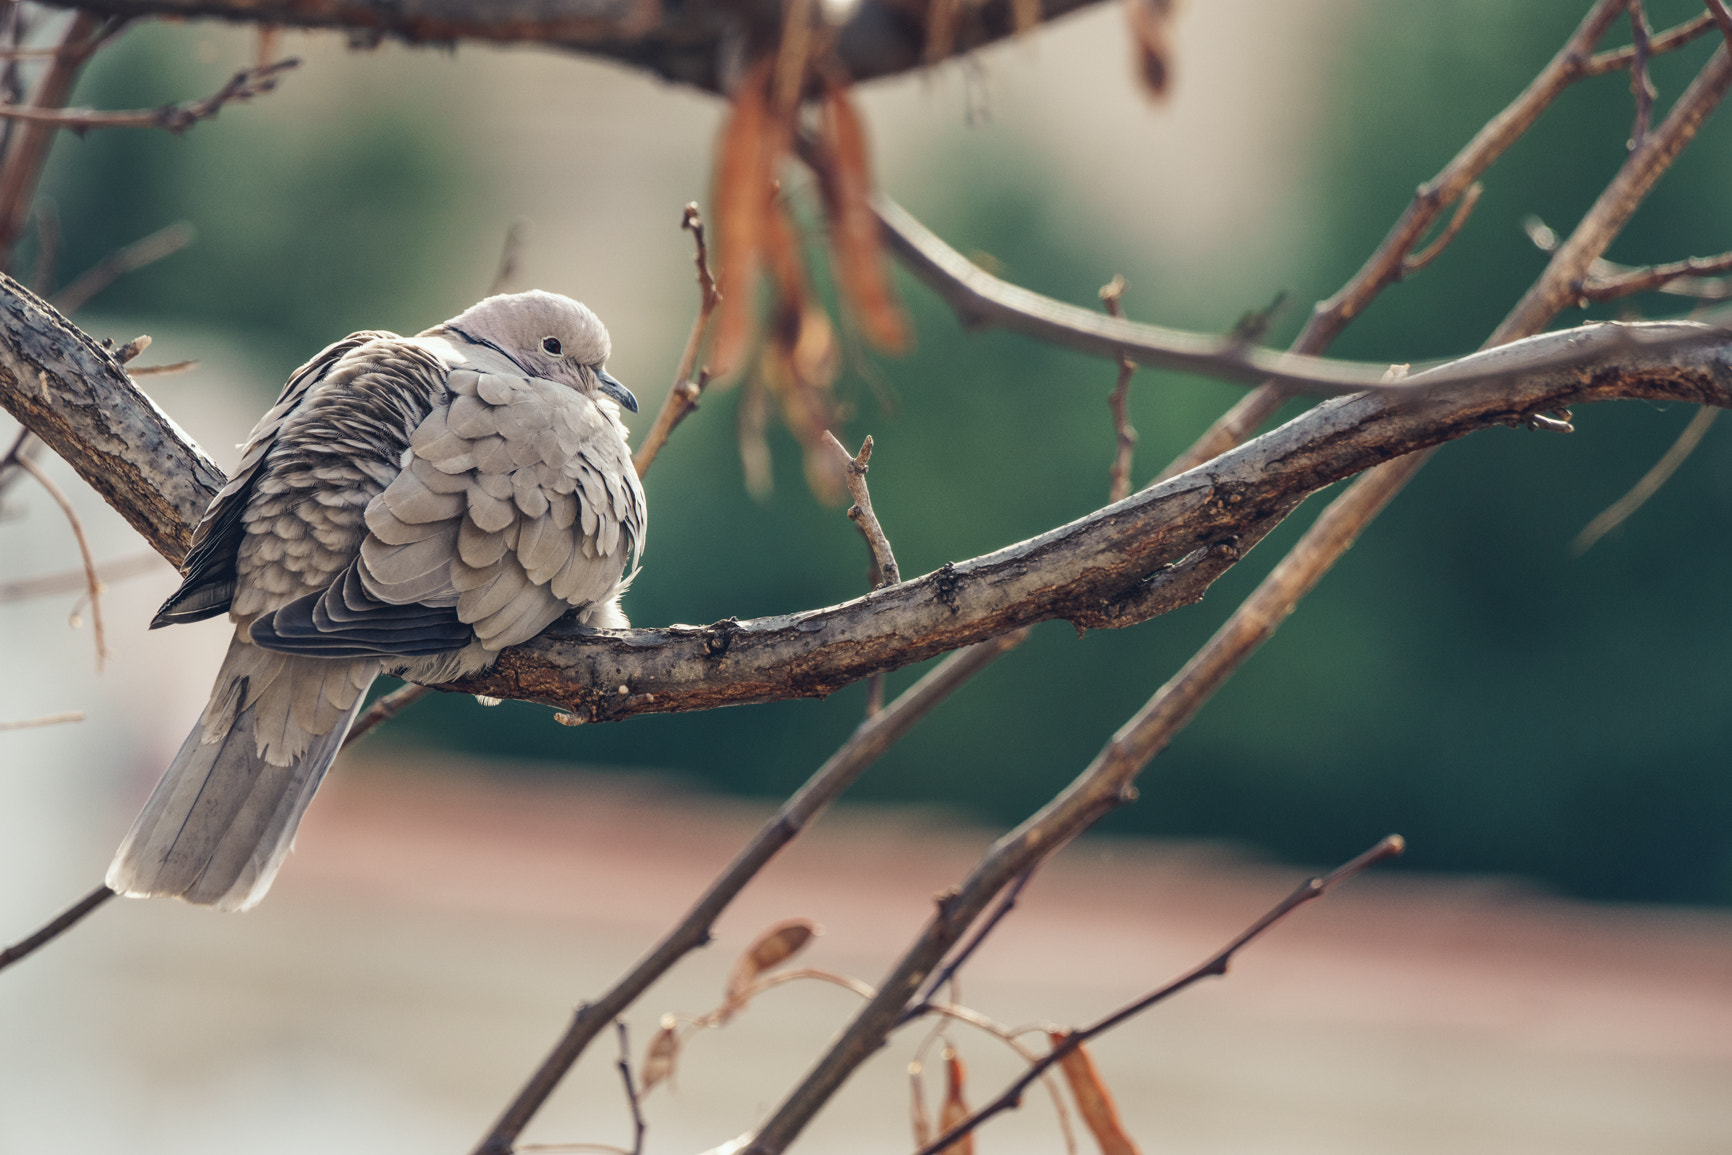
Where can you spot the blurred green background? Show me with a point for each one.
(1460, 677)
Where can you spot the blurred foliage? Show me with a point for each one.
(1459, 677)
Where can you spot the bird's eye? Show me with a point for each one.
(550, 346)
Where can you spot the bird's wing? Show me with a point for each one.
(209, 566)
(516, 502)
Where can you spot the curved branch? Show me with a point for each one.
(686, 42)
(1135, 559)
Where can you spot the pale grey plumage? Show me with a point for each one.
(410, 505)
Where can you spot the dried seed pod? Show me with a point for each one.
(768, 951)
(1092, 1100)
(661, 1055)
(955, 1108)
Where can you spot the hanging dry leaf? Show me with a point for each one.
(661, 1055)
(1151, 27)
(770, 950)
(955, 1109)
(1092, 1100)
(862, 277)
(801, 357)
(752, 144)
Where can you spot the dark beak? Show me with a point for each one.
(615, 390)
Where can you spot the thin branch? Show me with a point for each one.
(175, 118)
(1641, 86)
(45, 720)
(1386, 266)
(56, 928)
(1561, 284)
(387, 707)
(1414, 262)
(1006, 903)
(683, 397)
(1608, 281)
(1659, 44)
(1124, 437)
(870, 739)
(27, 151)
(1619, 511)
(1215, 966)
(1722, 17)
(140, 253)
(631, 1096)
(68, 581)
(161, 370)
(884, 569)
(92, 584)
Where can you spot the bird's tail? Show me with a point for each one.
(221, 821)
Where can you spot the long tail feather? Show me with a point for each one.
(221, 821)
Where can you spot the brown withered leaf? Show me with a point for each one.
(801, 356)
(1093, 1101)
(1151, 27)
(752, 143)
(661, 1055)
(955, 1108)
(769, 950)
(845, 180)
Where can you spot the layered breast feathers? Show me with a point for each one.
(509, 502)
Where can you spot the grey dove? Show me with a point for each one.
(410, 505)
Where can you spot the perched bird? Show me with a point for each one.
(410, 505)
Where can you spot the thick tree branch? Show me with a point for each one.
(688, 42)
(1120, 565)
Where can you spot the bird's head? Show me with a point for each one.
(548, 336)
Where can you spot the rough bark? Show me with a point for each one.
(1122, 564)
(694, 42)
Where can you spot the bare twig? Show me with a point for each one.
(510, 253)
(161, 370)
(175, 118)
(1414, 262)
(1006, 904)
(28, 150)
(1124, 437)
(56, 928)
(1386, 265)
(1641, 86)
(1215, 966)
(683, 397)
(631, 1096)
(92, 583)
(70, 580)
(884, 571)
(387, 707)
(1687, 278)
(1660, 43)
(45, 720)
(1722, 17)
(873, 736)
(130, 259)
(1619, 511)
